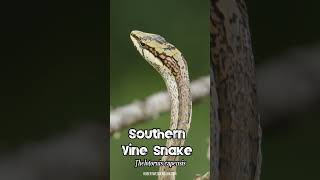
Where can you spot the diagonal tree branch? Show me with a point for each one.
(152, 106)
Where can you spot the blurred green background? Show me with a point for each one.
(289, 148)
(131, 77)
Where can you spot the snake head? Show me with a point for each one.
(148, 45)
(144, 39)
(155, 49)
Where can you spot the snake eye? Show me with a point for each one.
(142, 44)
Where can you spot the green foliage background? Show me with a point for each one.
(290, 151)
(185, 26)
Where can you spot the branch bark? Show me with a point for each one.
(152, 106)
(236, 137)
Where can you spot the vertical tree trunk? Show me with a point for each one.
(235, 124)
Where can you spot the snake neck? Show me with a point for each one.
(180, 97)
(181, 105)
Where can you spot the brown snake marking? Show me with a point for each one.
(169, 61)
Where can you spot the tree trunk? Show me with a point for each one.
(235, 124)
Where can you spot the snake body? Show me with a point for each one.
(172, 66)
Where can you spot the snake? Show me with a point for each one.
(169, 62)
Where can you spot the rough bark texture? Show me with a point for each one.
(235, 123)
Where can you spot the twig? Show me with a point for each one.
(206, 176)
